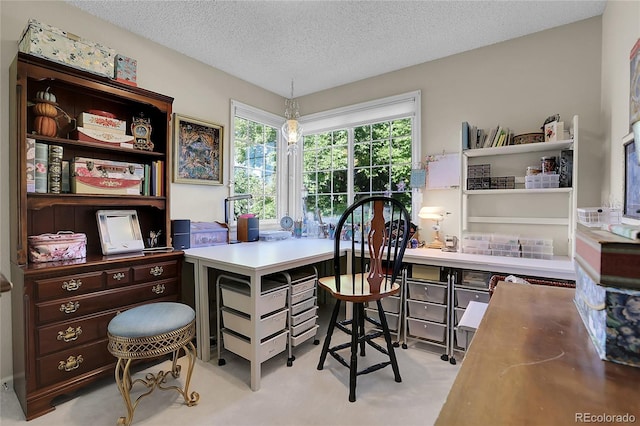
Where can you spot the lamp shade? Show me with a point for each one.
(433, 213)
(292, 131)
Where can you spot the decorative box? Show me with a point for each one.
(101, 123)
(57, 45)
(102, 136)
(205, 234)
(65, 245)
(96, 176)
(126, 70)
(610, 259)
(612, 318)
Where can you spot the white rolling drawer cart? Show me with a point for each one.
(235, 323)
(427, 308)
(303, 305)
(393, 309)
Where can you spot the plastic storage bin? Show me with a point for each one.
(548, 180)
(598, 216)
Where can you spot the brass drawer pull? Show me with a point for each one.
(71, 285)
(71, 363)
(156, 271)
(69, 335)
(69, 307)
(118, 276)
(158, 289)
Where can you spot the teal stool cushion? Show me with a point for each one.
(151, 320)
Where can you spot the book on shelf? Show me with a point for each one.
(55, 169)
(465, 135)
(31, 164)
(41, 167)
(65, 185)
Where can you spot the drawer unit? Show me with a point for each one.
(241, 323)
(73, 362)
(427, 311)
(304, 315)
(74, 307)
(392, 319)
(155, 271)
(302, 296)
(427, 292)
(69, 285)
(118, 277)
(464, 296)
(67, 334)
(302, 286)
(389, 304)
(301, 338)
(63, 318)
(296, 330)
(476, 279)
(303, 306)
(427, 330)
(461, 339)
(239, 298)
(241, 346)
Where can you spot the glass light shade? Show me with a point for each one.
(433, 213)
(292, 131)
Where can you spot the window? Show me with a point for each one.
(255, 161)
(366, 149)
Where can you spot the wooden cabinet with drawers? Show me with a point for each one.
(60, 326)
(61, 309)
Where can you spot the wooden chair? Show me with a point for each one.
(377, 226)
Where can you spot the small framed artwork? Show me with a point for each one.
(197, 152)
(631, 181)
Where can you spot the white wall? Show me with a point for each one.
(517, 84)
(620, 31)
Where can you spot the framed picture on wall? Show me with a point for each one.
(631, 181)
(197, 152)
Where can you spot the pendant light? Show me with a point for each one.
(291, 129)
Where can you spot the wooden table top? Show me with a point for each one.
(532, 362)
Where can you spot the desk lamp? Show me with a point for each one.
(436, 214)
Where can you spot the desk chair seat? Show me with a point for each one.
(376, 269)
(150, 331)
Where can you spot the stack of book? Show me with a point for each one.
(473, 137)
(102, 127)
(46, 171)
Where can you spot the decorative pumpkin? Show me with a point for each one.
(45, 95)
(47, 110)
(45, 126)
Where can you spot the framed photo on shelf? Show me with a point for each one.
(197, 152)
(631, 181)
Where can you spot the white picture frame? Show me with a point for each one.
(119, 231)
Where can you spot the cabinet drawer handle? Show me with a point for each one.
(71, 285)
(69, 335)
(158, 289)
(71, 363)
(156, 271)
(118, 276)
(69, 307)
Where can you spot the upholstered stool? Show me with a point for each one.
(150, 331)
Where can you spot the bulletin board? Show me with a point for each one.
(443, 171)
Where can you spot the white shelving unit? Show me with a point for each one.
(550, 210)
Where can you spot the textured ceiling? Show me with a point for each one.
(324, 44)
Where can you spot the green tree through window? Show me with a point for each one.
(381, 158)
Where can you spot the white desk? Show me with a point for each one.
(560, 267)
(253, 260)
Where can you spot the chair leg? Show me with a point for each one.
(327, 339)
(387, 338)
(361, 322)
(353, 365)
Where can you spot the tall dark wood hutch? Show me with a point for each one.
(61, 309)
